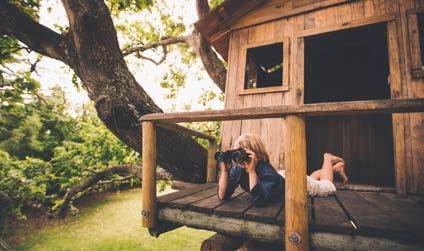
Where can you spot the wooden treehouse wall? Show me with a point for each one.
(408, 129)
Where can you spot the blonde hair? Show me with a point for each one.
(254, 143)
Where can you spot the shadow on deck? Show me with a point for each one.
(365, 215)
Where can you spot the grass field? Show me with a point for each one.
(109, 221)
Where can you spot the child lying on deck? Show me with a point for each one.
(264, 183)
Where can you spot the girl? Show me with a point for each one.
(258, 177)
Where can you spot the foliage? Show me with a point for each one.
(214, 3)
(44, 151)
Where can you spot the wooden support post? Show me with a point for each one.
(211, 171)
(252, 245)
(222, 242)
(149, 212)
(296, 210)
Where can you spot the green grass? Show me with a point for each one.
(112, 222)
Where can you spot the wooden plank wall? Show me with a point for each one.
(408, 128)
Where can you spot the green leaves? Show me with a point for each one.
(117, 6)
(44, 151)
(173, 81)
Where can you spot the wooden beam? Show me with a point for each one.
(185, 130)
(222, 242)
(272, 233)
(227, 225)
(149, 210)
(163, 227)
(211, 166)
(310, 110)
(336, 242)
(296, 197)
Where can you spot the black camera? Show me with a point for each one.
(237, 155)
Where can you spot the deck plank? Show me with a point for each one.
(184, 201)
(235, 207)
(375, 214)
(207, 205)
(369, 219)
(411, 218)
(267, 214)
(162, 200)
(329, 216)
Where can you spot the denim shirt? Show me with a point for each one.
(269, 186)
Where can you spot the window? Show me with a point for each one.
(265, 67)
(416, 43)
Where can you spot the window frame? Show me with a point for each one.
(416, 62)
(286, 64)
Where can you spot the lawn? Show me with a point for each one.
(109, 221)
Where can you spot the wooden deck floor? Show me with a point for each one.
(370, 214)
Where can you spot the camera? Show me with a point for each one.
(237, 155)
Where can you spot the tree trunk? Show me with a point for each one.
(91, 48)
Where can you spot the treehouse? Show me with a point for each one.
(309, 77)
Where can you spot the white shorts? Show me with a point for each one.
(316, 187)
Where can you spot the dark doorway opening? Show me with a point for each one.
(350, 65)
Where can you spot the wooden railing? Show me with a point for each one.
(296, 213)
(149, 210)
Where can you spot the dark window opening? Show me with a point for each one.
(347, 65)
(420, 21)
(264, 66)
(350, 65)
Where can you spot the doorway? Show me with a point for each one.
(350, 65)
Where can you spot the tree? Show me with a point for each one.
(90, 47)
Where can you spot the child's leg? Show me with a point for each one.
(336, 159)
(340, 169)
(327, 168)
(316, 174)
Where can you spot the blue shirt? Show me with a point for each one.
(269, 186)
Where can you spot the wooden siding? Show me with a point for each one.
(408, 129)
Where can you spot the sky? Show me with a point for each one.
(51, 72)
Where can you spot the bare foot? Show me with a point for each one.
(340, 169)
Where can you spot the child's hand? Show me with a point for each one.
(251, 165)
(223, 166)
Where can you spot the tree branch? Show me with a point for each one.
(163, 42)
(210, 59)
(133, 170)
(165, 53)
(14, 22)
(202, 7)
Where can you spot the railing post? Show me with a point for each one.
(211, 171)
(149, 211)
(296, 208)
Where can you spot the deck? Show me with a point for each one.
(348, 213)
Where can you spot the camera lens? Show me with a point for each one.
(237, 157)
(219, 156)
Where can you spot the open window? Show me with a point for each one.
(265, 67)
(416, 41)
